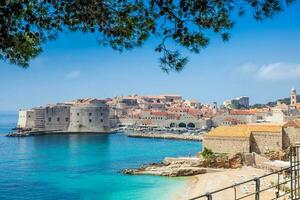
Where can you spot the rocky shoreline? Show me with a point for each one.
(171, 136)
(173, 167)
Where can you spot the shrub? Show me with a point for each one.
(206, 153)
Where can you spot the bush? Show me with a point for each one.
(206, 153)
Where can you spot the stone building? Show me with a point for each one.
(89, 118)
(78, 116)
(293, 97)
(172, 97)
(57, 117)
(32, 119)
(239, 102)
(247, 116)
(291, 132)
(26, 119)
(239, 116)
(229, 121)
(166, 120)
(258, 138)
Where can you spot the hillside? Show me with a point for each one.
(273, 103)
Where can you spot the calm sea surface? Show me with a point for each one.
(74, 167)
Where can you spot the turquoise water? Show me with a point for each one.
(84, 166)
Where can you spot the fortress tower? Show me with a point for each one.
(293, 97)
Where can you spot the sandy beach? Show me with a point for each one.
(208, 182)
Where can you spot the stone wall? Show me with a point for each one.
(260, 161)
(290, 136)
(39, 118)
(227, 144)
(57, 118)
(26, 119)
(261, 142)
(32, 119)
(89, 118)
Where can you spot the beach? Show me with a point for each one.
(200, 184)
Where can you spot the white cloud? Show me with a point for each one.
(73, 74)
(279, 72)
(271, 72)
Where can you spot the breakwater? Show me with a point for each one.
(172, 136)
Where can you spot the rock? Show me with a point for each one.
(184, 166)
(186, 171)
(187, 166)
(277, 155)
(128, 171)
(166, 171)
(236, 161)
(187, 161)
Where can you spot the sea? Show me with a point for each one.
(84, 166)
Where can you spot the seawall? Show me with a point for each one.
(166, 136)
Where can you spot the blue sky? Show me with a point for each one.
(260, 60)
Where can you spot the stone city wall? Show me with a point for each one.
(227, 145)
(89, 118)
(26, 119)
(262, 142)
(57, 118)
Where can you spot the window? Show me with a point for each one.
(101, 114)
(101, 120)
(77, 114)
(49, 119)
(58, 119)
(67, 119)
(28, 116)
(90, 114)
(90, 120)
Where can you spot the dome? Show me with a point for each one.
(293, 89)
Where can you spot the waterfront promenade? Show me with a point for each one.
(172, 136)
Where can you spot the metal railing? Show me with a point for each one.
(290, 176)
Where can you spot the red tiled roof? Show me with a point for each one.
(242, 112)
(159, 113)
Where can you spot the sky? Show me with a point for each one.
(261, 60)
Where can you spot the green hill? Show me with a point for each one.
(273, 103)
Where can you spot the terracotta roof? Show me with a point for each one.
(193, 111)
(159, 113)
(243, 130)
(242, 112)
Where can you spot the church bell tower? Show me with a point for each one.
(293, 97)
